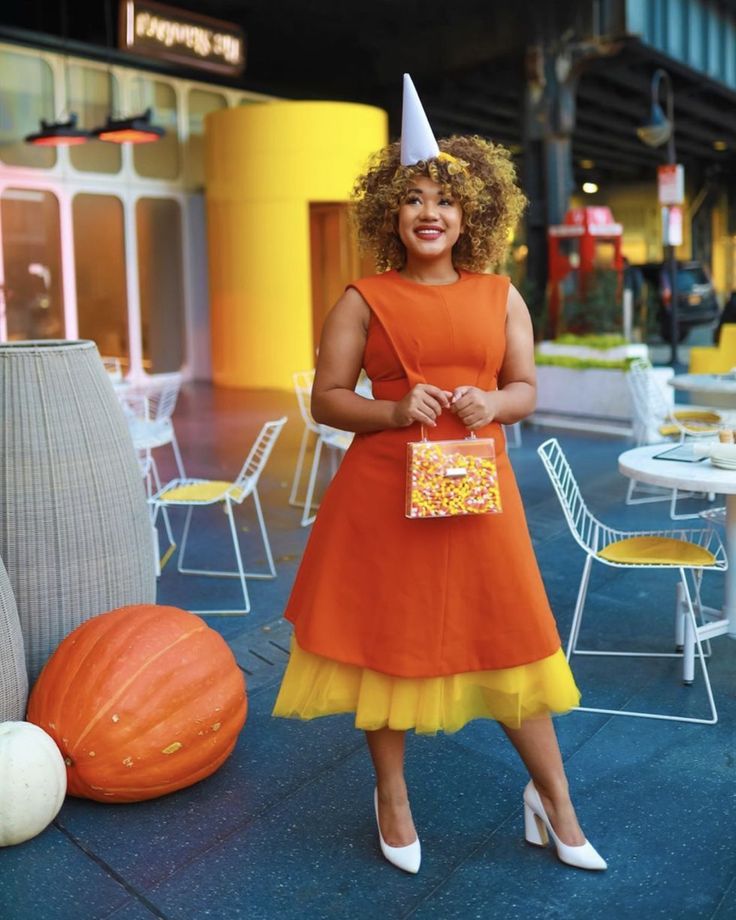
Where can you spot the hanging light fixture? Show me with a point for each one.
(660, 127)
(58, 134)
(135, 130)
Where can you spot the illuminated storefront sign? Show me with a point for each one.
(154, 30)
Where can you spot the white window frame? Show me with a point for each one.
(65, 182)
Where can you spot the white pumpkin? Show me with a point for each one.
(32, 781)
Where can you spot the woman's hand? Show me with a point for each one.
(474, 407)
(423, 403)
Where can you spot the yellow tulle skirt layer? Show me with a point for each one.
(315, 686)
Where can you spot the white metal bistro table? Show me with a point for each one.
(717, 390)
(642, 465)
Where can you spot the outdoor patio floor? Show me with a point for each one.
(285, 828)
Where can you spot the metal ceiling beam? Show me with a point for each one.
(444, 129)
(606, 169)
(634, 150)
(509, 111)
(684, 96)
(489, 119)
(627, 139)
(593, 95)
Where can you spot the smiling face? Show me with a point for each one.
(429, 221)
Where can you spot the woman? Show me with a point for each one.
(426, 624)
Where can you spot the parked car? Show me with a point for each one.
(697, 303)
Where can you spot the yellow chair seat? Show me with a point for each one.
(656, 551)
(668, 431)
(697, 415)
(696, 419)
(209, 490)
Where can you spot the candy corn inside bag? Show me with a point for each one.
(448, 478)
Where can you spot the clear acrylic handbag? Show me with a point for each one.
(451, 478)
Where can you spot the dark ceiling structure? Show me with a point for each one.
(469, 60)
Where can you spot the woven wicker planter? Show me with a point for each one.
(75, 532)
(13, 676)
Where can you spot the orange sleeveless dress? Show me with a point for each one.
(422, 624)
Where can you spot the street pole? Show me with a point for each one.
(669, 249)
(671, 261)
(659, 129)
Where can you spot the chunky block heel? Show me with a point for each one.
(538, 830)
(534, 831)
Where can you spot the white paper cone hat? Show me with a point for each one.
(417, 139)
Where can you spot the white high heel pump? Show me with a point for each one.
(407, 858)
(538, 829)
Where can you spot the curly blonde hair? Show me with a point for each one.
(478, 174)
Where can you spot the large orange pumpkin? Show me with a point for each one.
(141, 701)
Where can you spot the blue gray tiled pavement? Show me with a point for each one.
(285, 828)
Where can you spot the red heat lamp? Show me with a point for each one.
(58, 134)
(135, 130)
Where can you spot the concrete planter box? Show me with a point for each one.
(618, 353)
(594, 392)
(590, 398)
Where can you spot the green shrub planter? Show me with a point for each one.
(581, 364)
(602, 342)
(588, 351)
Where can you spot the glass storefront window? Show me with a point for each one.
(200, 104)
(159, 159)
(92, 95)
(31, 254)
(99, 257)
(26, 97)
(160, 273)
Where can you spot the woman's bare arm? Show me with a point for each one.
(516, 395)
(518, 378)
(334, 400)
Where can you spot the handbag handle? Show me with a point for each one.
(470, 436)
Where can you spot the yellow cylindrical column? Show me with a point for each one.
(264, 164)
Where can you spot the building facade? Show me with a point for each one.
(106, 241)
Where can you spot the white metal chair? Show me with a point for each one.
(683, 551)
(199, 493)
(655, 419)
(113, 368)
(145, 463)
(512, 433)
(335, 440)
(149, 405)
